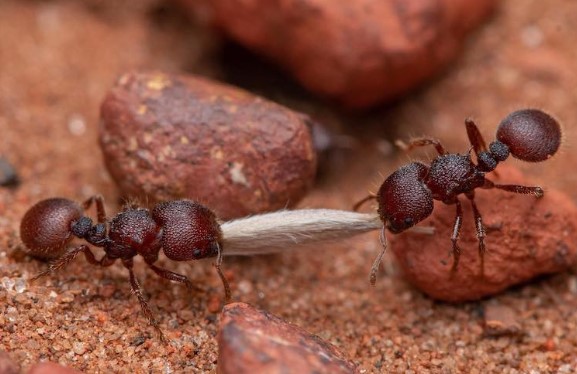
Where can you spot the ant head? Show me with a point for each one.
(81, 227)
(190, 230)
(403, 198)
(46, 227)
(530, 134)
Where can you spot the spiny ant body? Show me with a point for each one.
(183, 229)
(406, 196)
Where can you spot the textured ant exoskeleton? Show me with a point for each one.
(183, 229)
(406, 196)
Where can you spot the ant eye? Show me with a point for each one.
(408, 222)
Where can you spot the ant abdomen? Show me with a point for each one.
(530, 134)
(403, 198)
(190, 230)
(45, 229)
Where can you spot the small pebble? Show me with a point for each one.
(255, 341)
(78, 348)
(245, 287)
(20, 285)
(501, 320)
(7, 283)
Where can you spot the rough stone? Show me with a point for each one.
(526, 237)
(359, 52)
(174, 136)
(255, 341)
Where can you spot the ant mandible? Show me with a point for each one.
(406, 196)
(184, 230)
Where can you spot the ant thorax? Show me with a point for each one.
(452, 174)
(133, 232)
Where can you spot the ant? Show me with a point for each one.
(406, 196)
(183, 229)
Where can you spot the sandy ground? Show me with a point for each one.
(58, 58)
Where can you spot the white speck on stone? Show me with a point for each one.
(532, 36)
(237, 174)
(76, 125)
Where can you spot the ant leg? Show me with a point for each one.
(100, 211)
(379, 259)
(360, 203)
(167, 274)
(455, 237)
(475, 137)
(421, 142)
(480, 231)
(66, 259)
(137, 290)
(526, 190)
(227, 293)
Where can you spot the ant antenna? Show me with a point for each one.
(379, 259)
(225, 284)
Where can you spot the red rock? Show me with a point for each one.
(255, 341)
(358, 52)
(7, 365)
(169, 137)
(526, 237)
(51, 368)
